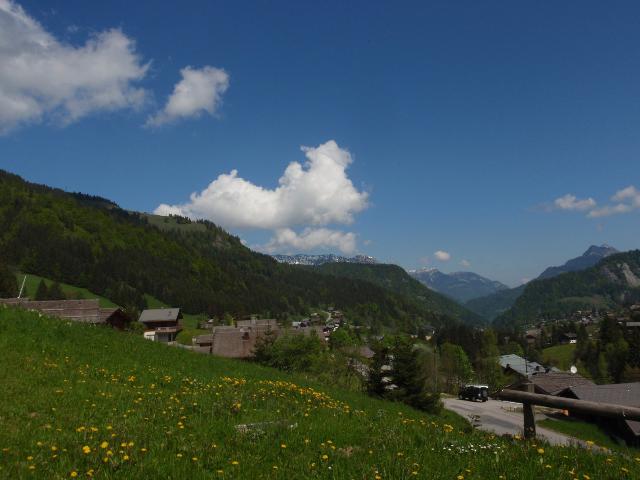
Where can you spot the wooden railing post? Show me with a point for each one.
(529, 415)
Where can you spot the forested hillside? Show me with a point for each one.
(91, 242)
(396, 279)
(615, 281)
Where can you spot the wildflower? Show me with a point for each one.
(179, 455)
(325, 457)
(73, 474)
(235, 462)
(283, 446)
(195, 459)
(104, 445)
(125, 457)
(541, 451)
(86, 449)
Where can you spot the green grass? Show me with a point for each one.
(71, 291)
(560, 356)
(81, 398)
(585, 431)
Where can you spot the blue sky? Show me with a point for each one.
(458, 127)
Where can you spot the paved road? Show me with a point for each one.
(502, 417)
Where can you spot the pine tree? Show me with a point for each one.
(55, 292)
(8, 284)
(42, 292)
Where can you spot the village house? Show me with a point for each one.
(514, 364)
(550, 383)
(84, 311)
(234, 341)
(161, 324)
(627, 394)
(568, 338)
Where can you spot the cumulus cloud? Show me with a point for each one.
(571, 202)
(465, 263)
(43, 78)
(442, 255)
(200, 91)
(314, 194)
(626, 200)
(311, 239)
(317, 193)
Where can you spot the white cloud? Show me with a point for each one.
(571, 202)
(42, 78)
(318, 193)
(465, 263)
(199, 91)
(627, 200)
(311, 239)
(609, 210)
(442, 255)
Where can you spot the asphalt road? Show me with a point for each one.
(502, 417)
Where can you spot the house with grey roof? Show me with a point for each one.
(627, 394)
(551, 383)
(161, 324)
(516, 364)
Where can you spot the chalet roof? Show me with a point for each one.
(160, 315)
(520, 365)
(553, 383)
(87, 310)
(627, 394)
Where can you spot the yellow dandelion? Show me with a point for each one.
(104, 445)
(541, 451)
(86, 449)
(73, 474)
(235, 462)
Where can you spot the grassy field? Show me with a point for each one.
(588, 432)
(560, 356)
(87, 401)
(31, 285)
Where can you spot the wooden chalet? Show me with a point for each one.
(161, 324)
(84, 311)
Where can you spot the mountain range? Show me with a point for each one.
(495, 304)
(461, 286)
(612, 282)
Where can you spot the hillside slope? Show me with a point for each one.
(92, 402)
(614, 281)
(396, 279)
(90, 242)
(491, 306)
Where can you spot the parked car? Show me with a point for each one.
(474, 392)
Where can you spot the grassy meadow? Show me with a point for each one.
(86, 401)
(71, 291)
(560, 356)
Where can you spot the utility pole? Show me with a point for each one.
(24, 280)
